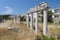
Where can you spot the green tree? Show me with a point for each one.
(5, 17)
(50, 16)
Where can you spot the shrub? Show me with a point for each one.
(44, 38)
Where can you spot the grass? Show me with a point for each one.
(24, 33)
(43, 37)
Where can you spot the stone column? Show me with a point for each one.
(27, 20)
(45, 27)
(18, 18)
(11, 18)
(14, 19)
(36, 23)
(31, 21)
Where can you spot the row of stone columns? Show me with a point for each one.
(41, 7)
(16, 18)
(45, 27)
(31, 21)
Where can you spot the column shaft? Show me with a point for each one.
(36, 22)
(27, 20)
(18, 19)
(45, 27)
(14, 19)
(31, 21)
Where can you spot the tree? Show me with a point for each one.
(50, 16)
(5, 17)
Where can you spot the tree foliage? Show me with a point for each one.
(5, 17)
(50, 16)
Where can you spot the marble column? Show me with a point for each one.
(36, 23)
(31, 21)
(27, 20)
(45, 27)
(11, 18)
(14, 19)
(18, 18)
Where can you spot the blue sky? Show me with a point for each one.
(22, 6)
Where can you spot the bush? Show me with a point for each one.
(44, 38)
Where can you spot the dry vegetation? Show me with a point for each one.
(23, 33)
(53, 30)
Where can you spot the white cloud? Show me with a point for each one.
(8, 10)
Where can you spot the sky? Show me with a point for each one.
(22, 6)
